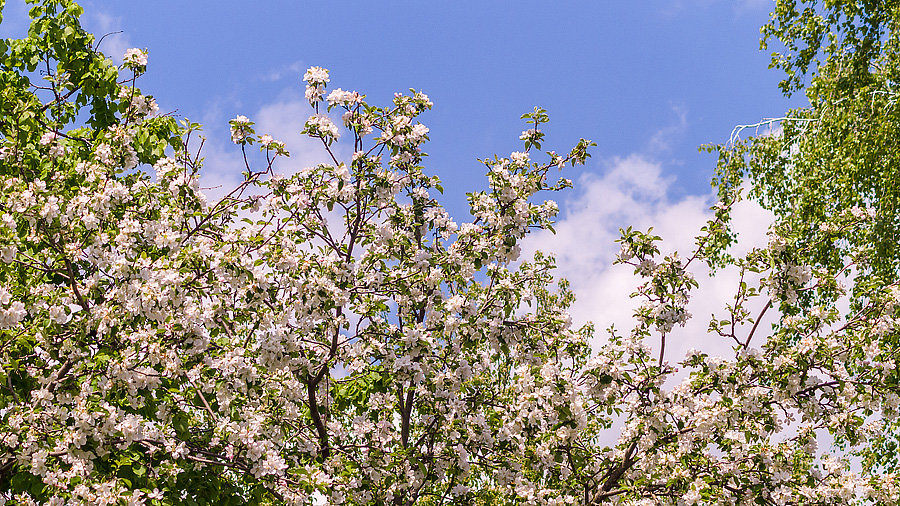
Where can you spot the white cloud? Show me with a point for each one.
(634, 192)
(662, 140)
(294, 70)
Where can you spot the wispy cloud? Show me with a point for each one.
(111, 37)
(662, 140)
(294, 70)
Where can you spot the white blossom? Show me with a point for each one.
(135, 56)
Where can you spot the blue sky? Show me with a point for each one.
(655, 77)
(648, 81)
(615, 72)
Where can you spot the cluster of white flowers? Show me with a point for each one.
(8, 253)
(528, 135)
(863, 213)
(798, 274)
(48, 138)
(268, 142)
(57, 149)
(135, 57)
(316, 75)
(319, 125)
(520, 159)
(139, 105)
(776, 243)
(666, 316)
(316, 78)
(241, 129)
(11, 311)
(343, 98)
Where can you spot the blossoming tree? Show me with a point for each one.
(333, 336)
(831, 177)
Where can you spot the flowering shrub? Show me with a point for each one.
(335, 336)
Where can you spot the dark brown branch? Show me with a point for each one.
(756, 323)
(316, 416)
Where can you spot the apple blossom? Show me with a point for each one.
(335, 336)
(135, 57)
